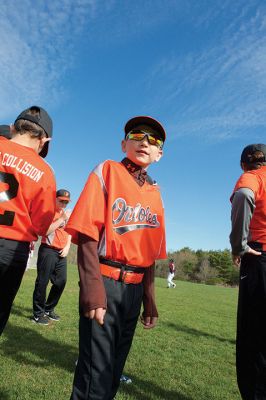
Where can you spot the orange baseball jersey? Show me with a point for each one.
(256, 181)
(58, 238)
(126, 219)
(27, 192)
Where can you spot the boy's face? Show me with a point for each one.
(61, 204)
(141, 152)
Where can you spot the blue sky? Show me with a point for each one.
(197, 66)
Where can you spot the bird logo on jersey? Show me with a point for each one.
(121, 212)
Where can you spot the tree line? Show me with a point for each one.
(210, 267)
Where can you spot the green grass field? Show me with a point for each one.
(190, 355)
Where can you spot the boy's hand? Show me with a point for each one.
(64, 251)
(97, 314)
(237, 259)
(148, 322)
(66, 214)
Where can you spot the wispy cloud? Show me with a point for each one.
(37, 46)
(218, 91)
(39, 40)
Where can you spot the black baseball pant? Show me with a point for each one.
(103, 350)
(50, 267)
(251, 327)
(13, 261)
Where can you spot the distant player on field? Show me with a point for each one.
(171, 274)
(27, 198)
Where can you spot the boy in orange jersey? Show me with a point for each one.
(52, 263)
(248, 241)
(118, 224)
(27, 198)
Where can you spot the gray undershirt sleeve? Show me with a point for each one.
(243, 206)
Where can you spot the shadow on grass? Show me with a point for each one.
(21, 311)
(148, 390)
(28, 347)
(195, 332)
(4, 395)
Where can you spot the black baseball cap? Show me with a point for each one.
(5, 131)
(63, 194)
(145, 120)
(42, 119)
(250, 150)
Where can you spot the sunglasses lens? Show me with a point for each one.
(152, 140)
(158, 142)
(138, 136)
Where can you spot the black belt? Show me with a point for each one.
(124, 267)
(49, 247)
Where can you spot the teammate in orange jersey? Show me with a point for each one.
(52, 263)
(27, 198)
(118, 224)
(248, 241)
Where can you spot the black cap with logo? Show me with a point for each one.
(42, 119)
(63, 194)
(145, 120)
(249, 152)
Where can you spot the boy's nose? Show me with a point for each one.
(145, 141)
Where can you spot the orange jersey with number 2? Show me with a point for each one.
(27, 193)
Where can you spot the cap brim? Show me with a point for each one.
(43, 153)
(145, 120)
(63, 198)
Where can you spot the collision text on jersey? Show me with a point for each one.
(21, 166)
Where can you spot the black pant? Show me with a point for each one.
(251, 327)
(103, 350)
(50, 266)
(13, 261)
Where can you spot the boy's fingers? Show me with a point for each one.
(236, 260)
(151, 324)
(89, 314)
(254, 252)
(99, 315)
(148, 322)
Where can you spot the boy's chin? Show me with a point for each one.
(138, 162)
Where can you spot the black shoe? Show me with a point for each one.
(40, 320)
(52, 315)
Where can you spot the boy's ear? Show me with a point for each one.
(243, 166)
(44, 140)
(159, 156)
(12, 129)
(123, 146)
(42, 143)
